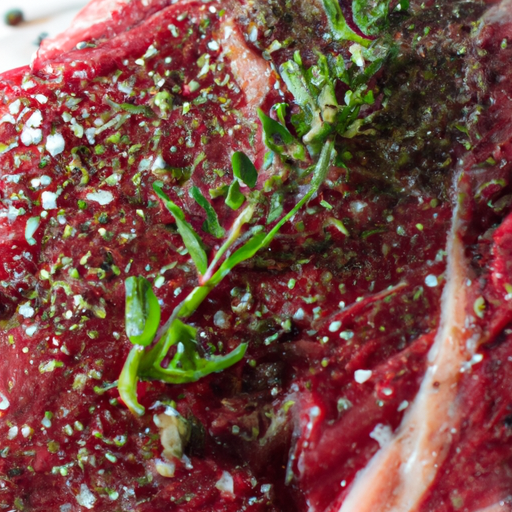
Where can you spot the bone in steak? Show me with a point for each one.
(378, 370)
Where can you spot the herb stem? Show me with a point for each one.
(244, 217)
(320, 172)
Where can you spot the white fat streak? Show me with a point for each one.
(398, 475)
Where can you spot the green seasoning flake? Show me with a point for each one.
(137, 109)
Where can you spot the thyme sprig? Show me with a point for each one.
(149, 358)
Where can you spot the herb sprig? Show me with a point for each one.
(321, 116)
(149, 358)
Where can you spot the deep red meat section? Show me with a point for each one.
(290, 425)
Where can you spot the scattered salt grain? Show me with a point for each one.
(226, 484)
(55, 144)
(102, 197)
(49, 200)
(361, 376)
(86, 498)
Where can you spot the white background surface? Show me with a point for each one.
(17, 44)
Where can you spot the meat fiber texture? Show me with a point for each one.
(378, 373)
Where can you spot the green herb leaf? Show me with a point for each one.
(187, 365)
(244, 169)
(319, 105)
(279, 139)
(235, 198)
(142, 311)
(211, 224)
(339, 27)
(127, 383)
(370, 15)
(280, 108)
(190, 238)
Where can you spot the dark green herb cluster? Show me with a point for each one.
(314, 89)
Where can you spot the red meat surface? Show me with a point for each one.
(378, 370)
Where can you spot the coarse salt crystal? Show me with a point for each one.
(4, 402)
(55, 144)
(31, 136)
(102, 197)
(361, 376)
(226, 484)
(49, 200)
(35, 120)
(334, 326)
(431, 281)
(86, 498)
(26, 310)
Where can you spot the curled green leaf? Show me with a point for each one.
(127, 383)
(142, 311)
(187, 365)
(339, 27)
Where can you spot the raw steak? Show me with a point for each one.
(378, 367)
